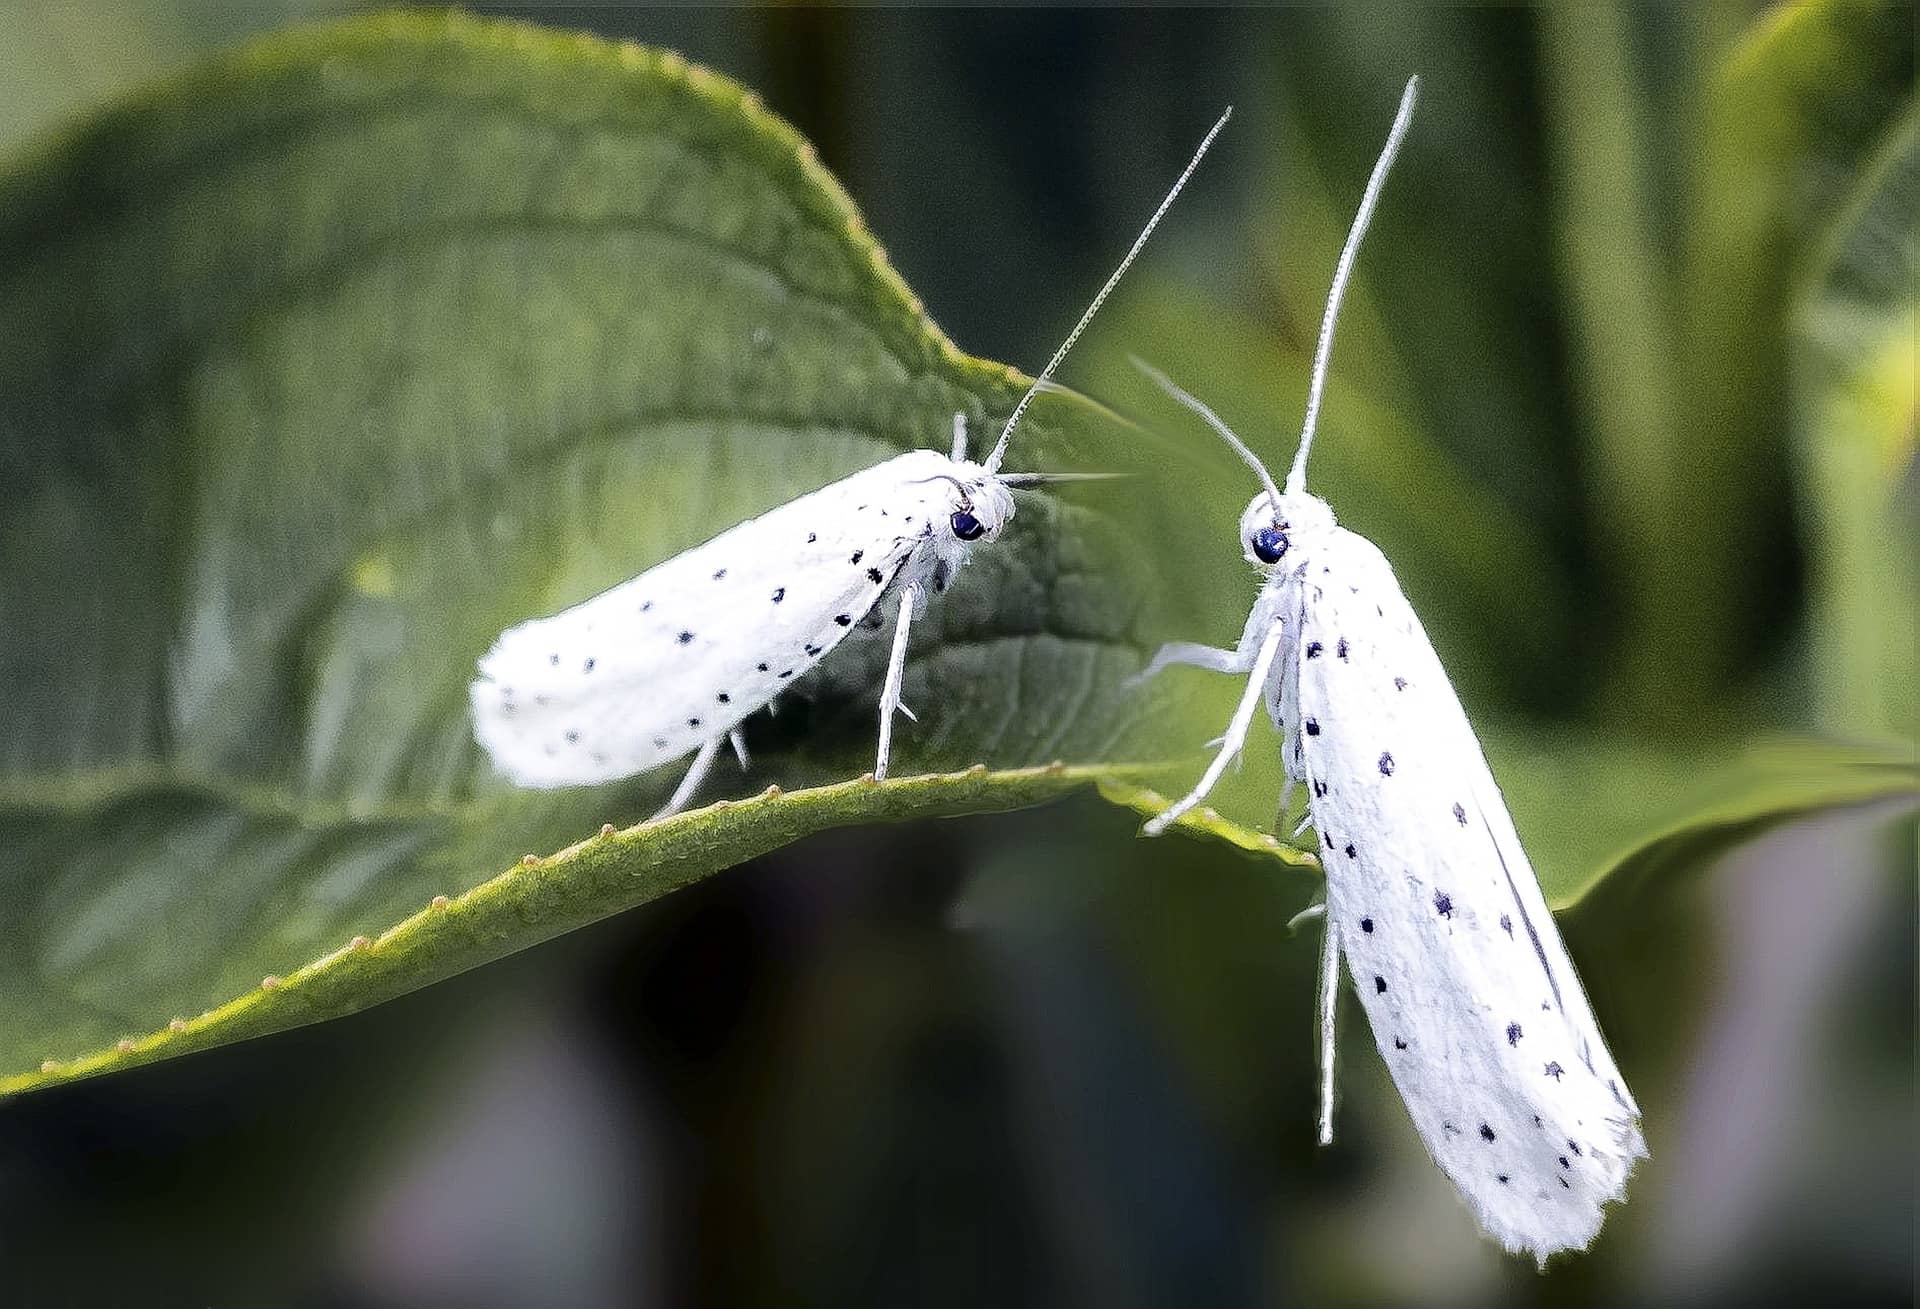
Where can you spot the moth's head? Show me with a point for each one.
(978, 505)
(1271, 533)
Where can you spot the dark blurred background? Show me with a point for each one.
(1030, 1059)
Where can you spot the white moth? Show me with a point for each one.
(673, 660)
(1474, 1004)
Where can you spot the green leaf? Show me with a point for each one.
(1596, 817)
(333, 358)
(534, 900)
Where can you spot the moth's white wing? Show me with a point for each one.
(668, 660)
(1474, 1004)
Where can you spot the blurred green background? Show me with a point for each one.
(1626, 390)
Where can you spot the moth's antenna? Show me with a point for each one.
(1050, 479)
(1000, 449)
(1199, 406)
(1297, 478)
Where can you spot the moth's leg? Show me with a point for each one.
(1211, 658)
(1283, 706)
(1329, 1007)
(896, 669)
(702, 764)
(738, 740)
(1236, 735)
(959, 437)
(1318, 909)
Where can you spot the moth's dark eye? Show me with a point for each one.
(966, 526)
(1269, 543)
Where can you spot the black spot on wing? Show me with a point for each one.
(685, 637)
(1366, 925)
(1486, 1133)
(1386, 765)
(779, 594)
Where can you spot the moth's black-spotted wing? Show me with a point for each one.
(658, 665)
(1474, 1004)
